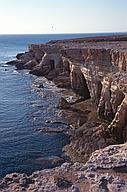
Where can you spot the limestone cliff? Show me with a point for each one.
(96, 69)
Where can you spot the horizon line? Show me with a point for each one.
(76, 33)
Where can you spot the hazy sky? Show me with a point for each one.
(62, 16)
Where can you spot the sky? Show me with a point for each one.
(62, 16)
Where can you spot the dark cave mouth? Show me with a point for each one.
(83, 90)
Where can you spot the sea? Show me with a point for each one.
(24, 109)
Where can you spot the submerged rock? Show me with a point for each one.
(50, 130)
(49, 162)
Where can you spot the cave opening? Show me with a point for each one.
(83, 88)
(52, 64)
(66, 67)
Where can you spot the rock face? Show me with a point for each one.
(118, 126)
(78, 82)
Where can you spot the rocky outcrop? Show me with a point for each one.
(105, 110)
(103, 172)
(30, 59)
(111, 157)
(106, 169)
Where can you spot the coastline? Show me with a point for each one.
(95, 69)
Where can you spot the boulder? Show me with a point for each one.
(63, 104)
(19, 55)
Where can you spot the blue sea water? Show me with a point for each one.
(23, 108)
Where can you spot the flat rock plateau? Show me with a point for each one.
(96, 70)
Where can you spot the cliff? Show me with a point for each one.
(96, 70)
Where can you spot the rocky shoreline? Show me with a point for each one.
(96, 70)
